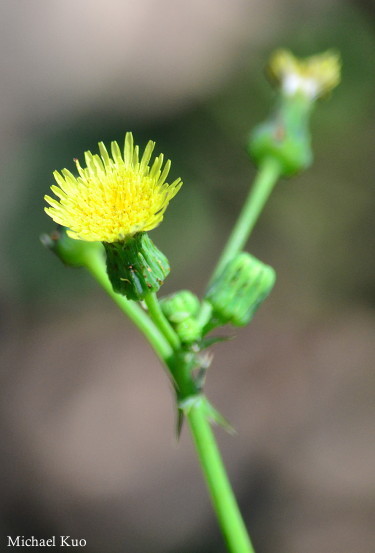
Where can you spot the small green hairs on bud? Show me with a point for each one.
(135, 266)
(286, 135)
(241, 287)
(74, 253)
(181, 309)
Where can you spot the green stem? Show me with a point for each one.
(96, 267)
(167, 345)
(267, 176)
(160, 321)
(223, 499)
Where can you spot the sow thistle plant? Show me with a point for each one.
(105, 213)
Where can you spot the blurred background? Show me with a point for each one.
(87, 419)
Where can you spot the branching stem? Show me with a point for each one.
(154, 335)
(160, 320)
(167, 345)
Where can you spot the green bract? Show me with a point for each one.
(136, 266)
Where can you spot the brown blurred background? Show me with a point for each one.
(87, 419)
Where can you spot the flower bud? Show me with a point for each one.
(179, 306)
(189, 330)
(241, 287)
(135, 266)
(180, 309)
(285, 136)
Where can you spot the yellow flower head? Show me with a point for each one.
(113, 197)
(315, 76)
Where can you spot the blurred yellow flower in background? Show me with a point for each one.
(314, 76)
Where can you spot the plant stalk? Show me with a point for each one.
(167, 345)
(160, 320)
(268, 174)
(222, 496)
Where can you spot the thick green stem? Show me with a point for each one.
(160, 321)
(223, 499)
(96, 267)
(266, 179)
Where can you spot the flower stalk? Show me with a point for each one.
(267, 176)
(222, 496)
(96, 266)
(160, 321)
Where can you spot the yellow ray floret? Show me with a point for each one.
(315, 76)
(115, 196)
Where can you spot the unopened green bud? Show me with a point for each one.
(285, 136)
(179, 306)
(180, 309)
(135, 266)
(241, 287)
(189, 330)
(74, 253)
